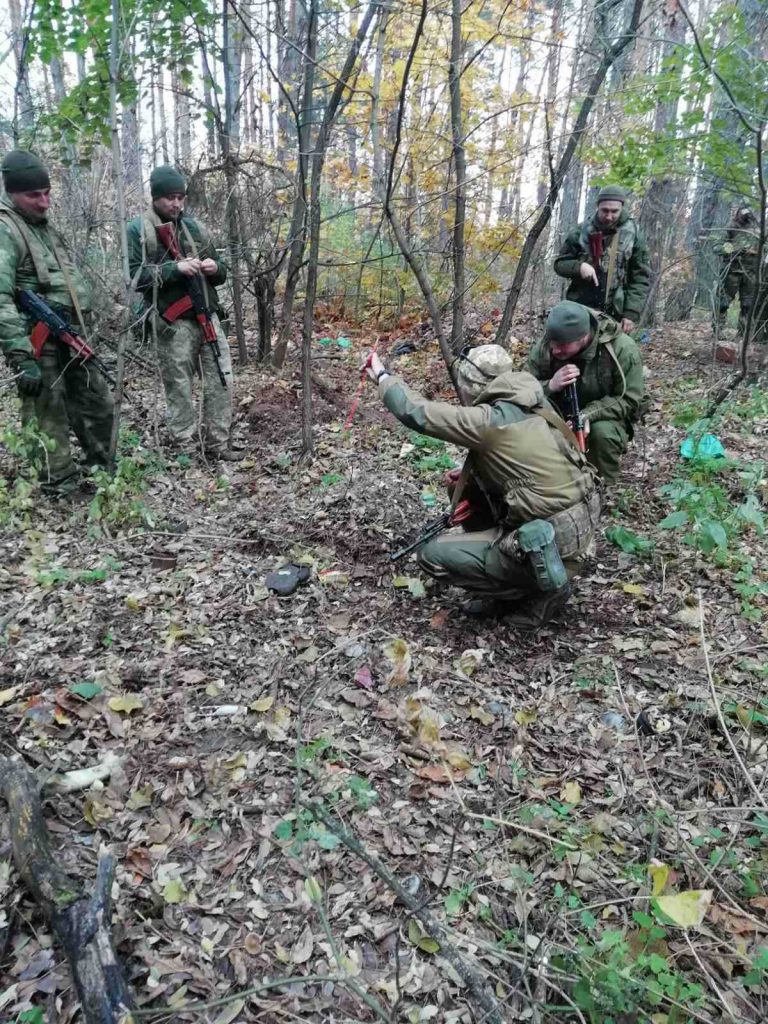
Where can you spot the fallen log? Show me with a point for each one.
(79, 921)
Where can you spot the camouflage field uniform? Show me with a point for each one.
(738, 275)
(525, 466)
(611, 390)
(74, 397)
(182, 350)
(628, 289)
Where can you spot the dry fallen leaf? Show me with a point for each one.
(302, 948)
(686, 909)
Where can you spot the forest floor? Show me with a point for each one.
(582, 809)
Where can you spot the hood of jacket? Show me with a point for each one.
(516, 386)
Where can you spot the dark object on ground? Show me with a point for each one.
(287, 579)
(403, 349)
(79, 922)
(528, 613)
(726, 352)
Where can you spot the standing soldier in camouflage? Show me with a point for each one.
(163, 278)
(587, 348)
(606, 259)
(738, 274)
(59, 393)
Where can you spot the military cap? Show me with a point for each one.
(477, 367)
(166, 180)
(612, 194)
(567, 321)
(24, 172)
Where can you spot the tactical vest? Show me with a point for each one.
(51, 270)
(627, 237)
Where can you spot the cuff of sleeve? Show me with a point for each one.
(385, 383)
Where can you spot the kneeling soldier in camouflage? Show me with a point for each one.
(541, 502)
(584, 347)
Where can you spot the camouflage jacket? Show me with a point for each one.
(151, 264)
(519, 458)
(612, 382)
(629, 291)
(29, 258)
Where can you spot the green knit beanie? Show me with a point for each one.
(24, 172)
(166, 180)
(567, 321)
(612, 194)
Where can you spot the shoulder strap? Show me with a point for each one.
(23, 235)
(613, 252)
(559, 424)
(612, 353)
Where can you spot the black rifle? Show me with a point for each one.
(48, 324)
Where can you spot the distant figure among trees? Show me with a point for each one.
(606, 260)
(738, 272)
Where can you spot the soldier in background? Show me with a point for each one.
(606, 260)
(738, 272)
(162, 277)
(59, 393)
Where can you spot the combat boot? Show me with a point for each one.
(539, 610)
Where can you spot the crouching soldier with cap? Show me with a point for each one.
(60, 393)
(168, 253)
(587, 348)
(540, 494)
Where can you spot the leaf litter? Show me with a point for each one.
(456, 751)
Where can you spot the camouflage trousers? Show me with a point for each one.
(74, 399)
(738, 277)
(182, 353)
(488, 562)
(607, 442)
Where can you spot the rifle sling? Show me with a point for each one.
(612, 255)
(559, 424)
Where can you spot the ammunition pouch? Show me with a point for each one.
(535, 543)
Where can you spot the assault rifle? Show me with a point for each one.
(195, 299)
(48, 324)
(594, 294)
(576, 416)
(452, 517)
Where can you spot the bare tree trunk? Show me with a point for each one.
(23, 107)
(231, 54)
(300, 206)
(609, 56)
(336, 104)
(164, 147)
(657, 212)
(460, 171)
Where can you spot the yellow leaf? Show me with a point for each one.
(94, 811)
(686, 909)
(659, 876)
(141, 798)
(429, 726)
(133, 602)
(456, 758)
(571, 793)
(633, 588)
(127, 704)
(525, 716)
(175, 632)
(6, 695)
(263, 704)
(482, 716)
(420, 939)
(174, 891)
(398, 654)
